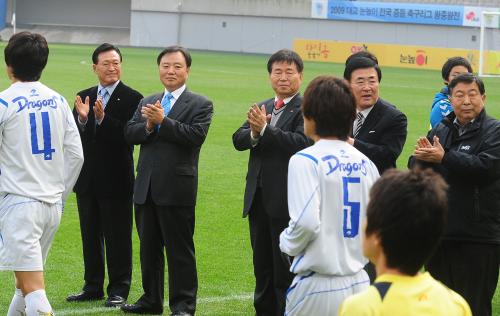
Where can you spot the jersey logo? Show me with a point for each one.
(334, 164)
(423, 297)
(24, 103)
(465, 148)
(33, 93)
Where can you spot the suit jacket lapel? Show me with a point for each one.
(372, 119)
(269, 106)
(288, 111)
(114, 99)
(180, 105)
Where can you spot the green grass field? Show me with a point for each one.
(233, 82)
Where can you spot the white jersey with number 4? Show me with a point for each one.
(328, 192)
(40, 148)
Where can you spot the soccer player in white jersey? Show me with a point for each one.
(40, 159)
(328, 191)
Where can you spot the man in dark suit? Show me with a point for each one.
(380, 129)
(105, 185)
(272, 139)
(170, 127)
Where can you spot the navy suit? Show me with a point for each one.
(104, 192)
(266, 201)
(165, 198)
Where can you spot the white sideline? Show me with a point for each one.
(101, 310)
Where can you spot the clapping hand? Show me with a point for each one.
(82, 108)
(428, 152)
(257, 119)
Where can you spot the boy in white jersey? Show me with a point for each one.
(328, 189)
(40, 159)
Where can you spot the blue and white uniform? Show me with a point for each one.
(40, 160)
(441, 107)
(328, 192)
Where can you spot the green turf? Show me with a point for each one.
(233, 82)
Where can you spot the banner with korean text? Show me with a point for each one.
(414, 13)
(417, 57)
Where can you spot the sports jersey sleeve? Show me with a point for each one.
(439, 111)
(73, 153)
(3, 116)
(303, 204)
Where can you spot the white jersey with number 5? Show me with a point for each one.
(40, 148)
(328, 192)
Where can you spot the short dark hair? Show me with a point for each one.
(452, 62)
(27, 54)
(408, 210)
(362, 53)
(104, 48)
(285, 55)
(361, 63)
(329, 102)
(174, 49)
(467, 78)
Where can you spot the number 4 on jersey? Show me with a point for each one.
(47, 149)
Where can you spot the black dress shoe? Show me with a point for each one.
(85, 296)
(114, 301)
(181, 314)
(140, 309)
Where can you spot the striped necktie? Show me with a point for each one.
(359, 122)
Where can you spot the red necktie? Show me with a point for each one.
(279, 104)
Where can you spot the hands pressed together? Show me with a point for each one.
(257, 118)
(153, 113)
(428, 152)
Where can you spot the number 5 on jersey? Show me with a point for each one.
(351, 210)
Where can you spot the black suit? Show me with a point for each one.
(382, 135)
(165, 197)
(104, 192)
(381, 138)
(266, 201)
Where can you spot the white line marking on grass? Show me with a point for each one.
(101, 310)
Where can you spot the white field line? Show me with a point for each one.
(102, 310)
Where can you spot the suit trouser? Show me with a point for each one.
(106, 224)
(470, 269)
(170, 228)
(272, 275)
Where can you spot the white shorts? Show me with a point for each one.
(319, 294)
(27, 229)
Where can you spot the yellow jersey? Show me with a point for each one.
(394, 295)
